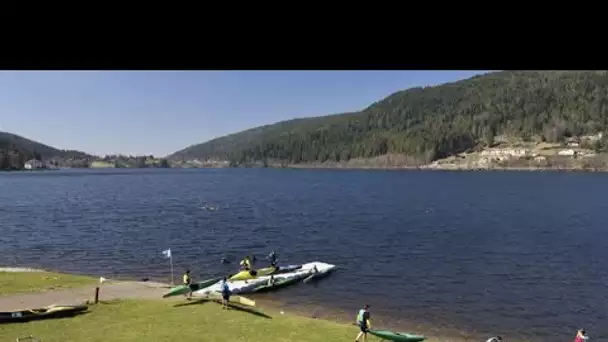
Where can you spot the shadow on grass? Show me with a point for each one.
(106, 302)
(193, 302)
(249, 310)
(232, 306)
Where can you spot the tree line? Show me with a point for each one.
(433, 122)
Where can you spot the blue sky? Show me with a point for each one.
(159, 112)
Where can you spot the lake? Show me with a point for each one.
(520, 254)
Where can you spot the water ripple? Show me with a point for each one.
(523, 253)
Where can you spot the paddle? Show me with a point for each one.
(309, 278)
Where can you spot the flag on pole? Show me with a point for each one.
(167, 254)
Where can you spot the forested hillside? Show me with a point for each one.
(431, 123)
(16, 150)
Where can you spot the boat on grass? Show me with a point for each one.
(397, 336)
(52, 311)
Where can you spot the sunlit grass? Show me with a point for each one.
(26, 282)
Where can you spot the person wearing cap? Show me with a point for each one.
(495, 339)
(363, 323)
(581, 336)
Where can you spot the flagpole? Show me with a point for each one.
(171, 262)
(167, 253)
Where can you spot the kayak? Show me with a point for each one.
(322, 268)
(247, 286)
(252, 274)
(320, 274)
(279, 282)
(233, 299)
(236, 287)
(397, 336)
(52, 311)
(184, 289)
(288, 268)
(289, 278)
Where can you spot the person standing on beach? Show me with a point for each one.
(581, 336)
(187, 281)
(225, 294)
(363, 323)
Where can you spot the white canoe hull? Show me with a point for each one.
(243, 286)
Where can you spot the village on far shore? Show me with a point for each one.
(113, 161)
(576, 153)
(573, 153)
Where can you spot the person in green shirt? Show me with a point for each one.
(188, 281)
(246, 263)
(363, 323)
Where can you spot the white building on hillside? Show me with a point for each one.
(566, 152)
(506, 153)
(33, 164)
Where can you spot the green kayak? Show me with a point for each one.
(397, 336)
(183, 289)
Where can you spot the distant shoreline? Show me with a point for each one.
(354, 167)
(409, 168)
(20, 269)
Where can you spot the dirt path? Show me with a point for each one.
(108, 291)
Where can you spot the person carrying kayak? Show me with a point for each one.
(581, 336)
(246, 263)
(225, 294)
(272, 257)
(363, 323)
(495, 339)
(187, 281)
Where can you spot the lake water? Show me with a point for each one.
(519, 254)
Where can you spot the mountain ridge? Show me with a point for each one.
(10, 140)
(428, 123)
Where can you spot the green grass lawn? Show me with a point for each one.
(25, 282)
(158, 320)
(162, 320)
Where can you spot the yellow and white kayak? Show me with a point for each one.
(252, 274)
(246, 286)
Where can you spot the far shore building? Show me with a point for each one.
(99, 164)
(33, 164)
(566, 153)
(501, 154)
